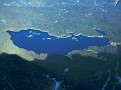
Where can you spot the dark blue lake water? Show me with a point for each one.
(42, 42)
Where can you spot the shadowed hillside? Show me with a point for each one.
(85, 73)
(77, 73)
(19, 74)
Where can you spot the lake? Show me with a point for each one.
(42, 42)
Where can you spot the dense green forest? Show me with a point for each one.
(84, 73)
(19, 74)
